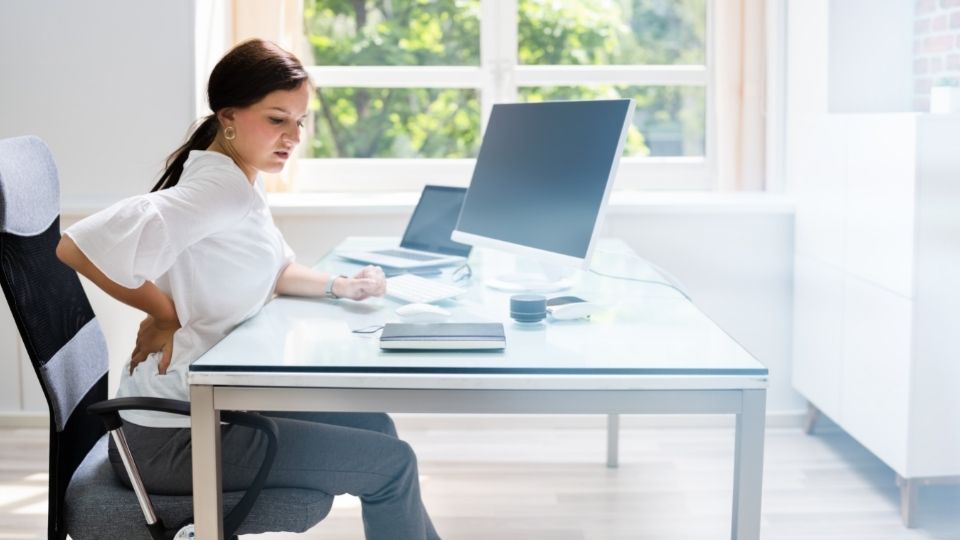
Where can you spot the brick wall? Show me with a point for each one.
(936, 46)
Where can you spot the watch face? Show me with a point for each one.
(329, 288)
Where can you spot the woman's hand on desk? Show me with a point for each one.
(299, 280)
(154, 336)
(369, 281)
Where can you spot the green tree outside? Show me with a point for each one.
(445, 123)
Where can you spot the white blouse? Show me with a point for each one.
(210, 244)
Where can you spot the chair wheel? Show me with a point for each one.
(185, 533)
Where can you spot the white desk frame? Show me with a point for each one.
(546, 393)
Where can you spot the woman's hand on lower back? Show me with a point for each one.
(154, 336)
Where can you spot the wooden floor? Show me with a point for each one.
(540, 483)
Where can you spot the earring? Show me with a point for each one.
(229, 133)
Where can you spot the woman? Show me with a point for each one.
(199, 255)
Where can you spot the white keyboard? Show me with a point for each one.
(420, 290)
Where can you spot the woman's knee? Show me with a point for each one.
(376, 422)
(402, 462)
(382, 423)
(406, 456)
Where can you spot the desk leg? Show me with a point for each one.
(205, 435)
(613, 440)
(748, 466)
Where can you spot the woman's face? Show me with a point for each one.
(269, 130)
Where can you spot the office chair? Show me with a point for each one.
(69, 354)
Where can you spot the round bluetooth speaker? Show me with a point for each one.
(528, 308)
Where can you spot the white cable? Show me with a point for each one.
(671, 282)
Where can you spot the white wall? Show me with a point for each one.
(109, 85)
(871, 60)
(113, 99)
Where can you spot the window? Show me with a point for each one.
(405, 86)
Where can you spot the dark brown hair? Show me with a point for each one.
(244, 76)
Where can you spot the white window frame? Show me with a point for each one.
(497, 78)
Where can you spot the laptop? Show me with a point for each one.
(426, 242)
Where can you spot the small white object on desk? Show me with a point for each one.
(567, 308)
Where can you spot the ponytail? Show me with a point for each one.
(201, 138)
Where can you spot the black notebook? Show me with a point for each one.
(443, 336)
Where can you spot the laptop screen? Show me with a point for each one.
(434, 219)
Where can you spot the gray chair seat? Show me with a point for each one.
(95, 493)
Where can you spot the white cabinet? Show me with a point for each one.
(875, 326)
(875, 377)
(879, 173)
(818, 331)
(877, 258)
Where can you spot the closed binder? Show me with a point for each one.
(442, 336)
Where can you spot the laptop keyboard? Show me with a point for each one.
(419, 290)
(407, 254)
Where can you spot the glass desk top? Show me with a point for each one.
(641, 329)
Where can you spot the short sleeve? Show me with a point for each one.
(139, 238)
(288, 255)
(128, 242)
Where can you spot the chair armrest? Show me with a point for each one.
(109, 413)
(109, 410)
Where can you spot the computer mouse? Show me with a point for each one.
(422, 312)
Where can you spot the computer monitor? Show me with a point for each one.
(541, 182)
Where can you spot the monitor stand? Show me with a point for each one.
(531, 275)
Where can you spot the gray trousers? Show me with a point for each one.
(337, 453)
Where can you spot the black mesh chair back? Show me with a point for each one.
(57, 325)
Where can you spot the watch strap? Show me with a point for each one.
(328, 290)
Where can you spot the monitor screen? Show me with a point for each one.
(433, 220)
(543, 176)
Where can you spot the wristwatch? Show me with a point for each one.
(328, 291)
